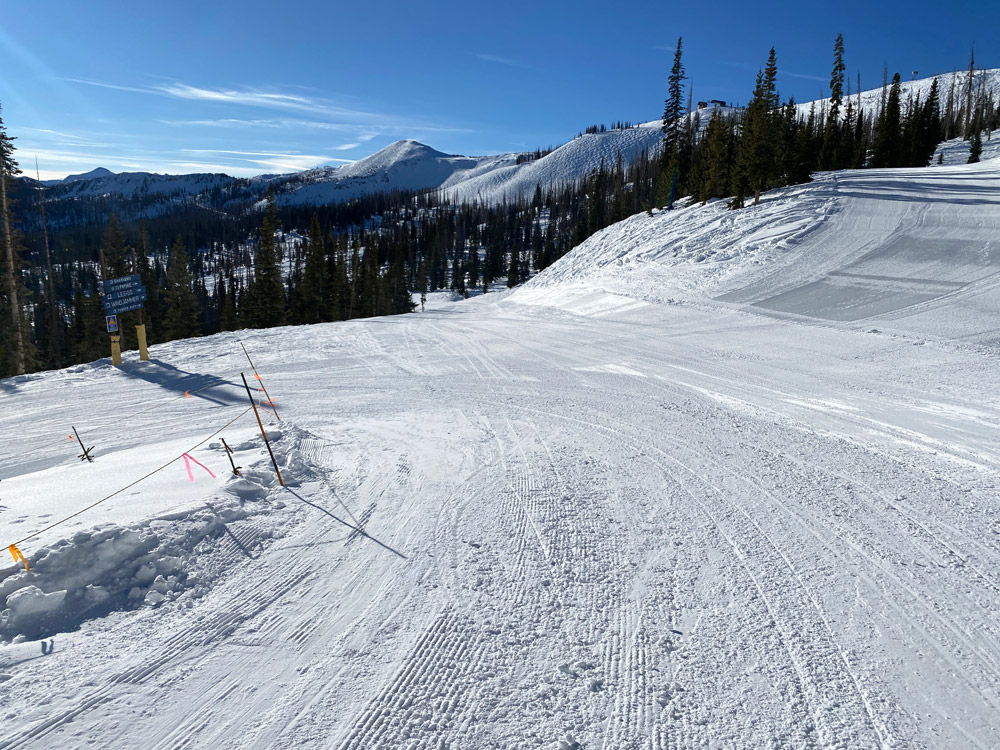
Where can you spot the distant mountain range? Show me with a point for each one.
(404, 165)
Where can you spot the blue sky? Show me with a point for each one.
(254, 87)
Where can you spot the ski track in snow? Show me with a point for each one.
(647, 501)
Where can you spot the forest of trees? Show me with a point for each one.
(208, 270)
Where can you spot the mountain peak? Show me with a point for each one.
(91, 175)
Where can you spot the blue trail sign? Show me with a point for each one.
(122, 304)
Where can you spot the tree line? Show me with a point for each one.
(769, 144)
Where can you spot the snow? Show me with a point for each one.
(871, 98)
(715, 478)
(570, 162)
(103, 182)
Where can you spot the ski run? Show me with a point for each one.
(721, 479)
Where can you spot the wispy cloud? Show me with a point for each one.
(58, 134)
(292, 161)
(501, 60)
(803, 75)
(362, 132)
(114, 86)
(244, 97)
(247, 98)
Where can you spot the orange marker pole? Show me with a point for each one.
(263, 434)
(256, 375)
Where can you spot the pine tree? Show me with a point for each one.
(14, 328)
(181, 321)
(830, 155)
(755, 169)
(672, 127)
(154, 305)
(887, 148)
(514, 267)
(266, 297)
(313, 289)
(710, 176)
(976, 149)
(88, 332)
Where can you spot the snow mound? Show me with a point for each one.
(173, 556)
(688, 252)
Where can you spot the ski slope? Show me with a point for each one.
(716, 478)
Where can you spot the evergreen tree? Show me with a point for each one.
(923, 129)
(399, 296)
(830, 155)
(887, 149)
(313, 290)
(154, 305)
(756, 164)
(181, 321)
(672, 127)
(266, 296)
(514, 268)
(88, 332)
(710, 173)
(14, 335)
(976, 149)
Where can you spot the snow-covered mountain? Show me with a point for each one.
(413, 166)
(91, 175)
(102, 182)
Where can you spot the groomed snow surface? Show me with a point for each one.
(715, 479)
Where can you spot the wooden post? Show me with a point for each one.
(140, 329)
(85, 456)
(116, 349)
(229, 452)
(262, 433)
(140, 333)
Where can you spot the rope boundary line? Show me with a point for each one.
(134, 483)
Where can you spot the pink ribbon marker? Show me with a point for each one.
(187, 465)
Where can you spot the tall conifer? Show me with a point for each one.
(266, 296)
(181, 319)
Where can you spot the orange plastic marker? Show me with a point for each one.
(18, 557)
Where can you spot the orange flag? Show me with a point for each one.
(18, 557)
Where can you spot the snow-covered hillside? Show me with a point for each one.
(987, 81)
(912, 249)
(715, 479)
(570, 162)
(101, 182)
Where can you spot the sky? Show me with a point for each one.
(252, 87)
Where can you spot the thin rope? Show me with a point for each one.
(133, 484)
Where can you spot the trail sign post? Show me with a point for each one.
(116, 304)
(121, 284)
(122, 295)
